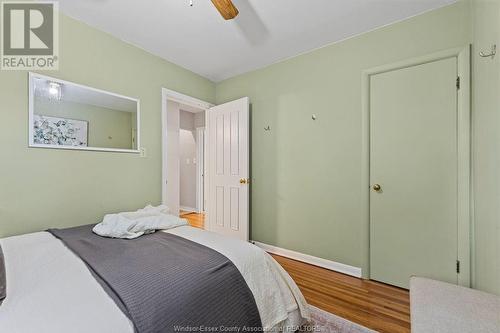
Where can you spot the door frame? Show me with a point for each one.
(200, 169)
(167, 94)
(464, 195)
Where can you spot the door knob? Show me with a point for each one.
(244, 181)
(377, 188)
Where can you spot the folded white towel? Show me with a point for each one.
(135, 224)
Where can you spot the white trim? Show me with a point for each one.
(185, 99)
(113, 150)
(50, 78)
(32, 144)
(164, 146)
(200, 168)
(328, 264)
(463, 159)
(188, 209)
(207, 172)
(167, 94)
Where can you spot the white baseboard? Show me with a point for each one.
(188, 209)
(328, 264)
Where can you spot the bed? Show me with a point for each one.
(51, 289)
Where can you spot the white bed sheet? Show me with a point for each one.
(50, 290)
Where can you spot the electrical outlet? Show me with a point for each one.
(143, 152)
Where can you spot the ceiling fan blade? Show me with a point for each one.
(226, 8)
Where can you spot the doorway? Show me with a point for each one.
(183, 154)
(191, 155)
(205, 158)
(416, 169)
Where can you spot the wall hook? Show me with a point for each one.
(491, 54)
(267, 128)
(313, 117)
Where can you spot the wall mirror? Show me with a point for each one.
(66, 115)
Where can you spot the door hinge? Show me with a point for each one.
(458, 266)
(458, 82)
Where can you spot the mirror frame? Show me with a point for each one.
(32, 144)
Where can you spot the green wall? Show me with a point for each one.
(41, 188)
(486, 136)
(306, 191)
(107, 128)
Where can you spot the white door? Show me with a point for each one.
(413, 171)
(228, 169)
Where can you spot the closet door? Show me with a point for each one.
(413, 173)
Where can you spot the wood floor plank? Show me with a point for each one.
(376, 305)
(372, 304)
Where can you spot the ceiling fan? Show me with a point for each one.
(225, 7)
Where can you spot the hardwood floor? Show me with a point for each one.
(372, 304)
(194, 219)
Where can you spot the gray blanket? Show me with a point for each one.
(165, 283)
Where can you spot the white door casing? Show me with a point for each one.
(200, 169)
(228, 168)
(172, 166)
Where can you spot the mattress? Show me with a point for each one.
(49, 289)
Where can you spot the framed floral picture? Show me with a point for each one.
(60, 131)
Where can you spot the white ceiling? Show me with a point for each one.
(266, 31)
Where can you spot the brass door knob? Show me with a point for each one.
(377, 188)
(244, 181)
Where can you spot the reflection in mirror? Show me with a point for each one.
(72, 116)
